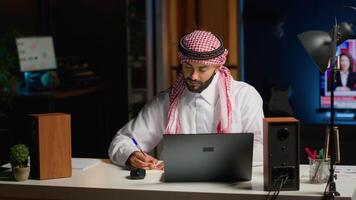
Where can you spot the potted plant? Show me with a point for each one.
(19, 162)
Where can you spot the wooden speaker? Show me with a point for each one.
(51, 153)
(281, 153)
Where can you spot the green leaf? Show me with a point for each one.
(19, 155)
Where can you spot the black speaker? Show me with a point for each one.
(281, 153)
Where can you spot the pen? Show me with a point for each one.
(310, 154)
(315, 154)
(138, 146)
(321, 154)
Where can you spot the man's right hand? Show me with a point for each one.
(144, 161)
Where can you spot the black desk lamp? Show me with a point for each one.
(321, 46)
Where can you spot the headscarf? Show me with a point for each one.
(205, 48)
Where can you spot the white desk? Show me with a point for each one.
(107, 181)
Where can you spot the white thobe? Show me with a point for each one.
(198, 113)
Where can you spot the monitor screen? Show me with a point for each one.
(36, 53)
(345, 79)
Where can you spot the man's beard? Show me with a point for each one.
(202, 85)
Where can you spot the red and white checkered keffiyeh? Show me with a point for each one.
(202, 41)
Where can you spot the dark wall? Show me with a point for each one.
(25, 21)
(22, 15)
(274, 57)
(312, 136)
(95, 32)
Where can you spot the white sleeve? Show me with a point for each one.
(252, 120)
(147, 129)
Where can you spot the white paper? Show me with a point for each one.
(77, 163)
(36, 53)
(84, 163)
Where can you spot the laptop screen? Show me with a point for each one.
(208, 157)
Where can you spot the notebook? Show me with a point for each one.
(208, 157)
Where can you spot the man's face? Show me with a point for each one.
(198, 76)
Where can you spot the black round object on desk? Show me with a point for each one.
(137, 173)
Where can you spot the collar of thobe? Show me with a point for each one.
(210, 94)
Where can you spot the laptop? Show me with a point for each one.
(207, 157)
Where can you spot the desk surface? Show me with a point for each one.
(107, 181)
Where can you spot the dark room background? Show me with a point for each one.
(96, 31)
(93, 32)
(275, 58)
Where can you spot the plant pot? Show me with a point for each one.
(21, 173)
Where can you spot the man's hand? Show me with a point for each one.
(144, 161)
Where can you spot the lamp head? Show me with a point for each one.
(320, 45)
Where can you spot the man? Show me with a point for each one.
(204, 99)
